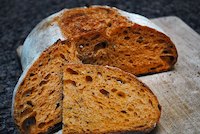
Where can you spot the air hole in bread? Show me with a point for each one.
(160, 41)
(71, 71)
(21, 106)
(99, 74)
(168, 59)
(125, 32)
(135, 113)
(41, 125)
(126, 120)
(40, 64)
(46, 77)
(127, 54)
(26, 112)
(22, 83)
(43, 82)
(95, 37)
(73, 83)
(151, 102)
(130, 61)
(136, 32)
(34, 79)
(121, 94)
(120, 81)
(28, 92)
(30, 103)
(88, 78)
(127, 38)
(27, 123)
(104, 92)
(130, 109)
(57, 105)
(101, 45)
(123, 111)
(51, 92)
(63, 57)
(81, 46)
(166, 51)
(109, 24)
(140, 39)
(54, 129)
(32, 74)
(113, 90)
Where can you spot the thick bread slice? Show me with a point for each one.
(136, 49)
(38, 94)
(141, 50)
(99, 99)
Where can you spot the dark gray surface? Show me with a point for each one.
(18, 17)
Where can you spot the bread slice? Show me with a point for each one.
(99, 99)
(135, 49)
(141, 50)
(37, 104)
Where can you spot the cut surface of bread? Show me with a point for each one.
(37, 103)
(99, 99)
(79, 21)
(136, 49)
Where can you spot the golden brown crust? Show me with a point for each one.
(83, 20)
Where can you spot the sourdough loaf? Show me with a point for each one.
(73, 22)
(99, 99)
(116, 41)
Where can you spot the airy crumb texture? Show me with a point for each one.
(38, 105)
(79, 21)
(101, 99)
(136, 49)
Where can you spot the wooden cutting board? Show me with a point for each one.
(178, 91)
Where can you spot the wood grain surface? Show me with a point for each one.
(178, 90)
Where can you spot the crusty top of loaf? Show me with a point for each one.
(51, 29)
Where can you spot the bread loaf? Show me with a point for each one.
(74, 22)
(116, 41)
(100, 99)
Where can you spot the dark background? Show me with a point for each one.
(18, 17)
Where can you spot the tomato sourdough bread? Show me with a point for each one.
(37, 99)
(107, 37)
(74, 22)
(103, 99)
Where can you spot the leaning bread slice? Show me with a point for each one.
(142, 50)
(99, 99)
(135, 49)
(38, 94)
